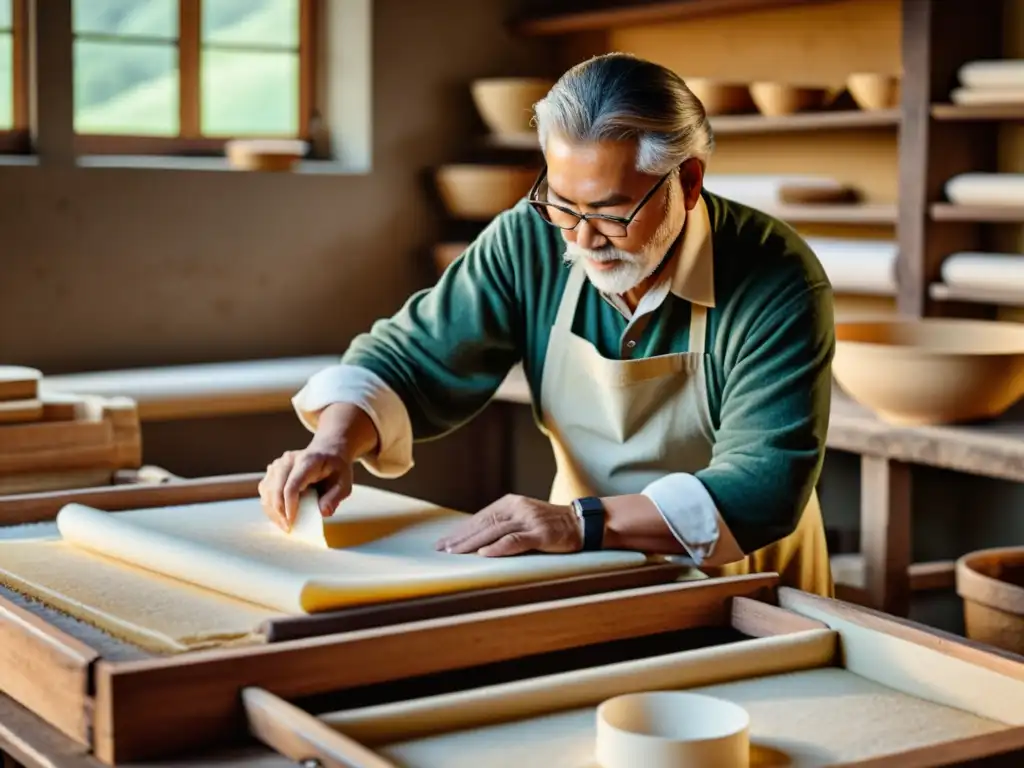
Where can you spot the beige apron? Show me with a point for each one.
(617, 425)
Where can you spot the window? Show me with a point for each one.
(185, 75)
(13, 93)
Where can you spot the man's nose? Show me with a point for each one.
(588, 237)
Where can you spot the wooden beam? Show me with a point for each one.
(645, 13)
(885, 537)
(199, 693)
(37, 507)
(190, 48)
(938, 37)
(298, 735)
(979, 654)
(757, 618)
(420, 609)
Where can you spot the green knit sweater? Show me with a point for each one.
(770, 341)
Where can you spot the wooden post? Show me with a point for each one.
(885, 536)
(938, 37)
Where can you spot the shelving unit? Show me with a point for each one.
(964, 113)
(943, 292)
(899, 159)
(1008, 214)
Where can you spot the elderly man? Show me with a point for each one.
(678, 347)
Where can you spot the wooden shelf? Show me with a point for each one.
(993, 448)
(933, 575)
(805, 121)
(644, 13)
(977, 112)
(943, 292)
(863, 213)
(751, 125)
(977, 213)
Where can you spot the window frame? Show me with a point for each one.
(16, 140)
(190, 141)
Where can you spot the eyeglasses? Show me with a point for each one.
(566, 218)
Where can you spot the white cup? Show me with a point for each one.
(672, 729)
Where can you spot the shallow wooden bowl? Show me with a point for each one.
(774, 99)
(506, 103)
(446, 253)
(470, 191)
(930, 371)
(720, 98)
(873, 91)
(991, 584)
(265, 154)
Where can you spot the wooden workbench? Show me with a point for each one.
(882, 576)
(267, 707)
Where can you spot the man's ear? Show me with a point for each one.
(691, 178)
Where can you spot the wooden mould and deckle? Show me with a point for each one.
(825, 682)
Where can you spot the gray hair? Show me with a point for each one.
(617, 96)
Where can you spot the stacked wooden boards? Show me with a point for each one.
(56, 441)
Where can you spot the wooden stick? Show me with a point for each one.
(300, 736)
(760, 619)
(38, 507)
(295, 627)
(979, 654)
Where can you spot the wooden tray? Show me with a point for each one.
(322, 699)
(38, 640)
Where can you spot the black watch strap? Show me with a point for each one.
(591, 510)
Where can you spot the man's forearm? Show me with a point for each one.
(634, 522)
(347, 429)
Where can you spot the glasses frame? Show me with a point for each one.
(625, 221)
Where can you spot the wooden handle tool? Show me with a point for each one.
(299, 736)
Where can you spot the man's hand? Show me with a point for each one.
(516, 524)
(287, 477)
(344, 433)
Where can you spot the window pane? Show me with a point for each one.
(126, 88)
(250, 93)
(151, 18)
(251, 22)
(5, 14)
(6, 82)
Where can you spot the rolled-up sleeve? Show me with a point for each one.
(776, 387)
(436, 362)
(362, 387)
(689, 512)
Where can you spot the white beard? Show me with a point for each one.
(630, 271)
(632, 268)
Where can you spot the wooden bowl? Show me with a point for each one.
(506, 103)
(930, 371)
(774, 99)
(721, 98)
(991, 584)
(265, 154)
(446, 253)
(874, 91)
(471, 191)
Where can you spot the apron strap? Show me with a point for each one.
(698, 327)
(567, 307)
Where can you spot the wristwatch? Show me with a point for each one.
(590, 511)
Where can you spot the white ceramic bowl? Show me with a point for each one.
(931, 370)
(672, 729)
